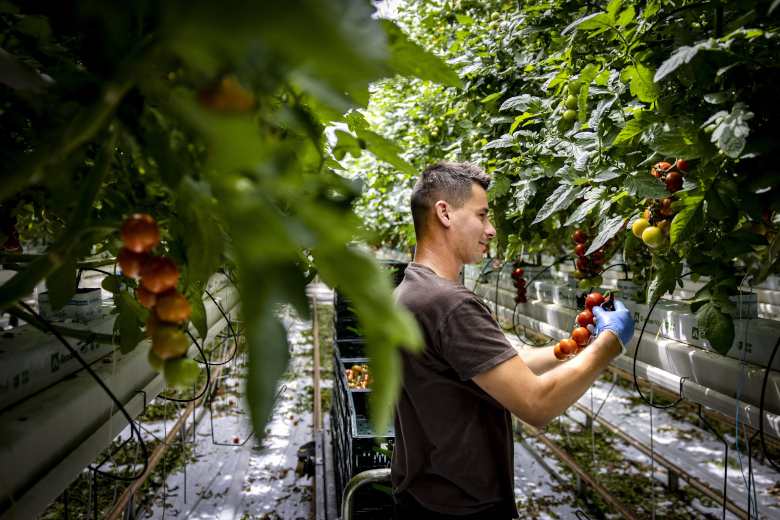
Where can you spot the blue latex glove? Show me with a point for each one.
(618, 321)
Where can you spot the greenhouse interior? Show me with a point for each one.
(389, 259)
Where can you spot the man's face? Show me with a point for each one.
(471, 228)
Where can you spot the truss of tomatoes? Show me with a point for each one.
(157, 291)
(359, 377)
(522, 290)
(584, 329)
(589, 267)
(656, 226)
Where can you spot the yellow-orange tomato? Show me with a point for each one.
(152, 323)
(130, 262)
(169, 342)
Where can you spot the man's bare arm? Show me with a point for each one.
(538, 399)
(539, 360)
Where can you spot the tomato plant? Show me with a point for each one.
(173, 307)
(140, 233)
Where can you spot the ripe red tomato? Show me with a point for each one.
(674, 182)
(235, 440)
(581, 336)
(593, 299)
(521, 291)
(580, 249)
(173, 307)
(160, 274)
(521, 299)
(145, 297)
(579, 236)
(582, 264)
(130, 262)
(140, 233)
(12, 243)
(597, 258)
(569, 346)
(682, 165)
(517, 273)
(519, 283)
(659, 169)
(596, 269)
(585, 318)
(557, 352)
(228, 95)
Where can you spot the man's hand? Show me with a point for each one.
(618, 322)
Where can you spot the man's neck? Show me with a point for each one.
(443, 265)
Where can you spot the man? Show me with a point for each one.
(453, 453)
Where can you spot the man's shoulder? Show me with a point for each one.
(423, 291)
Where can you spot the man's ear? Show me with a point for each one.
(443, 212)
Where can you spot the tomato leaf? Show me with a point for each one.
(346, 144)
(732, 132)
(409, 59)
(505, 141)
(717, 327)
(385, 150)
(524, 195)
(607, 229)
(130, 317)
(632, 129)
(560, 199)
(643, 85)
(598, 114)
(202, 238)
(498, 187)
(592, 21)
(592, 198)
(645, 186)
(521, 102)
(664, 278)
(689, 221)
(684, 142)
(680, 57)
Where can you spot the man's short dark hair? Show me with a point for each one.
(444, 180)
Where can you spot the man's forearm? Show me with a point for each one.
(539, 360)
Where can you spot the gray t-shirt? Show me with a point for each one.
(454, 447)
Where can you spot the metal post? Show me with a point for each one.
(674, 482)
(358, 481)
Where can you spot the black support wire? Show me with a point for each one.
(105, 388)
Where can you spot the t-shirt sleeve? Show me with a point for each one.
(471, 341)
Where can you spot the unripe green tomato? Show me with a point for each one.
(181, 372)
(569, 115)
(495, 16)
(578, 275)
(638, 279)
(588, 68)
(155, 362)
(585, 284)
(695, 277)
(759, 228)
(636, 267)
(597, 280)
(575, 87)
(571, 102)
(492, 25)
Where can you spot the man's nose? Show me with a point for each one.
(490, 231)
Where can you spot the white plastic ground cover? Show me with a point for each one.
(692, 448)
(39, 433)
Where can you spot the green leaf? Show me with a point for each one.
(198, 229)
(130, 317)
(664, 279)
(493, 96)
(689, 221)
(645, 186)
(684, 142)
(632, 129)
(607, 230)
(409, 59)
(717, 326)
(385, 150)
(61, 284)
(560, 199)
(112, 283)
(346, 144)
(268, 359)
(464, 20)
(732, 132)
(680, 57)
(521, 102)
(592, 198)
(598, 114)
(591, 21)
(524, 195)
(626, 17)
(505, 141)
(498, 187)
(643, 85)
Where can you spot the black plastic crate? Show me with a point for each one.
(347, 330)
(351, 348)
(395, 269)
